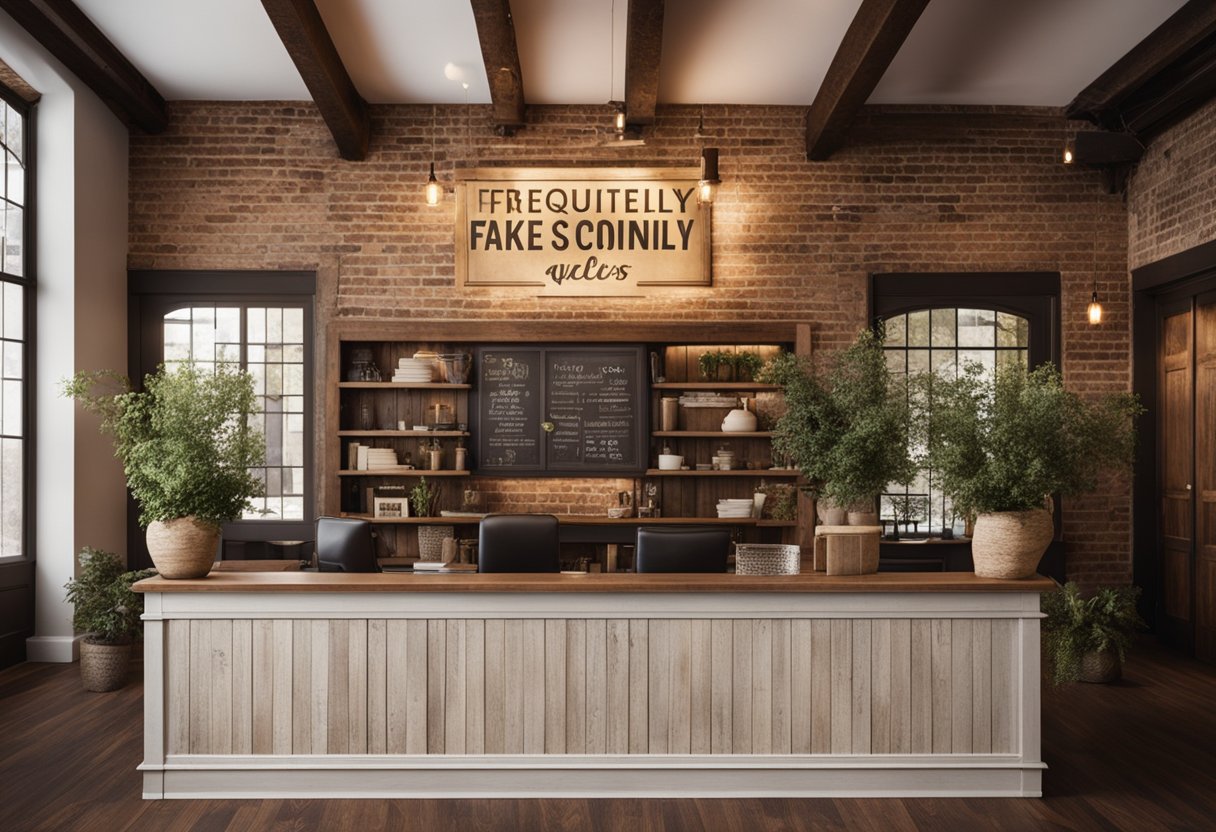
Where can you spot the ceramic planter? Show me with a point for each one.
(182, 548)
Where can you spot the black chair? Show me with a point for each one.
(518, 543)
(345, 545)
(682, 550)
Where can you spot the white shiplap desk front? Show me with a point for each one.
(320, 685)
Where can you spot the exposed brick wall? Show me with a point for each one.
(1171, 198)
(259, 186)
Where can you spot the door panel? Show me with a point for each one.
(1175, 464)
(1205, 478)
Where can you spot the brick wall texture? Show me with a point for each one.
(1171, 200)
(260, 186)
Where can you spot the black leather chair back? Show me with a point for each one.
(682, 550)
(518, 543)
(345, 545)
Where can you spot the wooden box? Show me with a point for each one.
(847, 550)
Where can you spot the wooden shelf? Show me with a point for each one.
(390, 433)
(396, 385)
(585, 520)
(415, 521)
(715, 434)
(714, 385)
(766, 472)
(402, 472)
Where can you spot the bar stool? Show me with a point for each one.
(517, 543)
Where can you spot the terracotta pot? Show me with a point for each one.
(182, 548)
(1101, 667)
(103, 667)
(1010, 544)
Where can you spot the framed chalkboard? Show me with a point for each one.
(561, 410)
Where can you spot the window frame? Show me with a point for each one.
(28, 282)
(154, 293)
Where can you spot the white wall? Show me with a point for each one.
(81, 230)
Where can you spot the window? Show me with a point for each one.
(941, 323)
(15, 298)
(268, 342)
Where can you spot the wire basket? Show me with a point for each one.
(767, 559)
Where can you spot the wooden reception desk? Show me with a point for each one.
(323, 685)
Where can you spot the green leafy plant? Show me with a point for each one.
(780, 501)
(710, 361)
(746, 364)
(105, 605)
(1004, 443)
(184, 440)
(846, 425)
(424, 498)
(1075, 626)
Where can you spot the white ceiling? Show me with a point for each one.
(1030, 52)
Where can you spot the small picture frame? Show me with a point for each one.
(390, 507)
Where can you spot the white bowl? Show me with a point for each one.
(670, 462)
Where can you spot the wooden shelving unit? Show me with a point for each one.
(585, 520)
(401, 472)
(714, 434)
(389, 434)
(767, 472)
(728, 386)
(400, 385)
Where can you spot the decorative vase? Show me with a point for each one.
(183, 547)
(1010, 544)
(103, 667)
(1101, 667)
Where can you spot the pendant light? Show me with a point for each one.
(434, 191)
(707, 187)
(1095, 308)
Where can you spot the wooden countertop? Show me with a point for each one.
(621, 582)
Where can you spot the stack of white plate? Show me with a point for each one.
(414, 371)
(735, 508)
(381, 458)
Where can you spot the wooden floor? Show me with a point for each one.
(1140, 755)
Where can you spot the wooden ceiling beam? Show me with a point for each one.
(496, 31)
(76, 42)
(876, 34)
(307, 41)
(1185, 29)
(643, 51)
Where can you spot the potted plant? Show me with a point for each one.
(1086, 639)
(712, 362)
(187, 452)
(845, 427)
(108, 612)
(746, 364)
(1002, 444)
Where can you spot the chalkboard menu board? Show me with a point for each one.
(572, 411)
(509, 409)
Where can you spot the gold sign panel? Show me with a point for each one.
(581, 232)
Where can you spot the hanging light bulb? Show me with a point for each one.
(1095, 308)
(1068, 153)
(707, 188)
(434, 191)
(618, 120)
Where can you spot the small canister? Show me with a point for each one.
(669, 413)
(460, 458)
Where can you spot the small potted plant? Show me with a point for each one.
(108, 612)
(713, 363)
(1002, 445)
(187, 451)
(845, 426)
(1086, 639)
(746, 364)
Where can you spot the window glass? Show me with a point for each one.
(945, 341)
(268, 342)
(14, 276)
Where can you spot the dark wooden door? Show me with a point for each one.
(1175, 455)
(1205, 477)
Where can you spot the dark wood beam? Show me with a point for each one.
(303, 33)
(68, 34)
(1169, 42)
(878, 30)
(643, 49)
(496, 31)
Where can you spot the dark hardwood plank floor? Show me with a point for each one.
(1140, 755)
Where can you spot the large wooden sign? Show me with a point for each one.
(581, 232)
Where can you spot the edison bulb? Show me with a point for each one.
(706, 191)
(1095, 312)
(434, 192)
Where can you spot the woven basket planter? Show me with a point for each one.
(1101, 667)
(182, 548)
(767, 559)
(1010, 544)
(430, 541)
(104, 667)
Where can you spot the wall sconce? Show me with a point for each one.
(707, 188)
(1095, 308)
